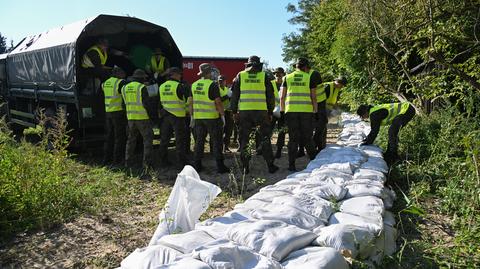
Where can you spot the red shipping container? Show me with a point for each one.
(228, 66)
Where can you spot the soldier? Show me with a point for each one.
(279, 122)
(397, 115)
(225, 94)
(140, 116)
(173, 96)
(208, 117)
(157, 65)
(252, 103)
(116, 120)
(299, 101)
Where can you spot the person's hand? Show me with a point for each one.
(192, 122)
(269, 118)
(223, 120)
(236, 117)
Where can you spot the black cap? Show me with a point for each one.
(253, 60)
(279, 70)
(302, 62)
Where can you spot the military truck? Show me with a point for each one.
(44, 70)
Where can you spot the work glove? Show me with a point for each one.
(192, 122)
(223, 120)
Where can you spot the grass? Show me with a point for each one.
(439, 216)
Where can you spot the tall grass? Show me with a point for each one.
(440, 175)
(40, 185)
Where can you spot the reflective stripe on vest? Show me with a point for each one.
(226, 102)
(252, 91)
(87, 62)
(203, 107)
(113, 100)
(132, 95)
(298, 92)
(332, 98)
(393, 109)
(157, 66)
(320, 90)
(169, 98)
(275, 92)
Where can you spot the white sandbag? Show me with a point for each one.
(239, 214)
(389, 219)
(216, 227)
(327, 191)
(149, 257)
(365, 189)
(288, 214)
(291, 178)
(385, 244)
(388, 197)
(284, 188)
(315, 258)
(363, 206)
(186, 242)
(369, 174)
(346, 238)
(330, 173)
(185, 263)
(345, 167)
(375, 163)
(268, 196)
(374, 224)
(312, 205)
(273, 239)
(188, 200)
(251, 204)
(372, 150)
(233, 256)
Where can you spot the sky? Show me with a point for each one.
(200, 28)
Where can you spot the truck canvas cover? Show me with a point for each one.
(53, 58)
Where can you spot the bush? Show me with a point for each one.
(441, 175)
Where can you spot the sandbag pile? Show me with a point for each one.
(316, 218)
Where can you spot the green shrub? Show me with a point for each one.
(441, 174)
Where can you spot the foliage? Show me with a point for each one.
(3, 44)
(40, 188)
(426, 52)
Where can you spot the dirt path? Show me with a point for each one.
(103, 240)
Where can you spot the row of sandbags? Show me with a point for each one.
(334, 209)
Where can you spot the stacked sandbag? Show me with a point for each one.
(333, 210)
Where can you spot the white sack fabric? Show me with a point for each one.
(190, 198)
(273, 239)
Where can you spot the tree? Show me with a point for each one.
(3, 44)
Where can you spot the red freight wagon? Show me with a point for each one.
(228, 66)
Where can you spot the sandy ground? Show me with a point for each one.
(103, 240)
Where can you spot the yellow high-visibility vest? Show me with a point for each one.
(393, 109)
(298, 92)
(157, 66)
(87, 62)
(333, 97)
(203, 107)
(169, 98)
(321, 94)
(252, 91)
(113, 99)
(276, 92)
(132, 96)
(223, 93)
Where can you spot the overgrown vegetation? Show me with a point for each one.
(426, 52)
(41, 186)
